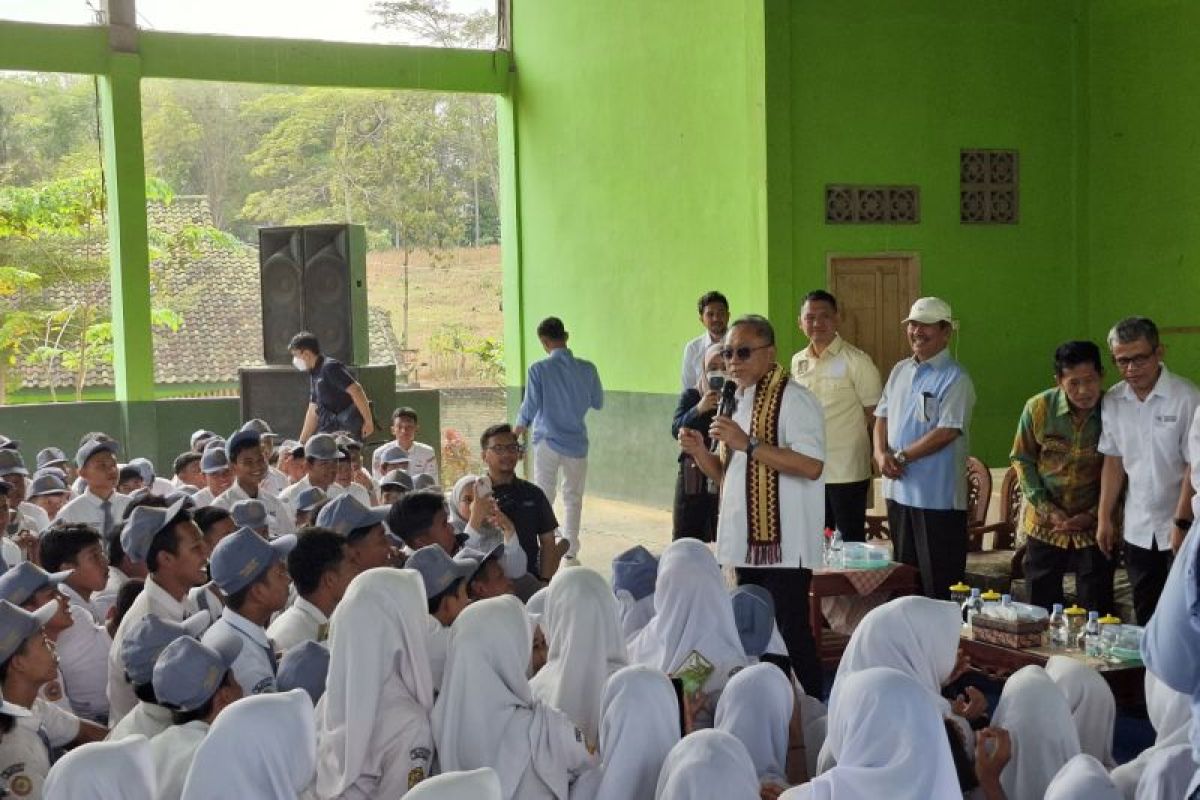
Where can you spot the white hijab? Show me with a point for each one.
(585, 647)
(635, 614)
(915, 765)
(756, 707)
(479, 784)
(1082, 778)
(486, 715)
(1171, 715)
(691, 612)
(707, 765)
(1092, 705)
(1035, 713)
(1168, 775)
(377, 649)
(263, 746)
(118, 770)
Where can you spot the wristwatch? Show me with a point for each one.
(901, 457)
(1183, 524)
(751, 446)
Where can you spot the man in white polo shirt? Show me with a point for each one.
(714, 316)
(1144, 433)
(847, 383)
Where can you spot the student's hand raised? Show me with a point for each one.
(993, 749)
(970, 704)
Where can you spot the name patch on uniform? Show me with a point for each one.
(1166, 418)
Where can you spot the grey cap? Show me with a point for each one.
(423, 482)
(292, 446)
(438, 569)
(56, 471)
(50, 456)
(241, 557)
(323, 447)
(348, 442)
(259, 426)
(241, 440)
(754, 613)
(143, 525)
(344, 514)
(187, 673)
(635, 571)
(393, 454)
(145, 468)
(310, 498)
(214, 459)
(24, 580)
(147, 637)
(183, 493)
(45, 483)
(7, 443)
(94, 446)
(304, 666)
(199, 436)
(17, 625)
(11, 462)
(398, 478)
(250, 514)
(477, 558)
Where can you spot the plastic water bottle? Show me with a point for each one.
(1058, 628)
(836, 558)
(972, 606)
(1091, 635)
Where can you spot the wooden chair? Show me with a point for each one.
(996, 567)
(979, 497)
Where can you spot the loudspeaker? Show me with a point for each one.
(279, 395)
(314, 278)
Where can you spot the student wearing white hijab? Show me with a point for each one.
(486, 715)
(585, 647)
(373, 733)
(479, 784)
(756, 707)
(1092, 704)
(264, 747)
(639, 724)
(708, 765)
(1035, 713)
(1168, 775)
(1170, 713)
(121, 770)
(1083, 778)
(692, 613)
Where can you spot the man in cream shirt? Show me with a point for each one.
(847, 383)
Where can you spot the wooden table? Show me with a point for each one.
(836, 582)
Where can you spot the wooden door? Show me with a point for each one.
(874, 293)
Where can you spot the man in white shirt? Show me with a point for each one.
(1145, 421)
(28, 518)
(244, 451)
(99, 505)
(847, 383)
(714, 316)
(49, 492)
(252, 575)
(322, 455)
(321, 572)
(351, 478)
(54, 457)
(218, 476)
(274, 481)
(422, 459)
(187, 471)
(775, 440)
(172, 548)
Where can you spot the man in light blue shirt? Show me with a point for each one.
(921, 446)
(559, 392)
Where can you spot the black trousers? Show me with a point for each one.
(932, 540)
(1148, 569)
(789, 590)
(694, 515)
(1046, 564)
(846, 509)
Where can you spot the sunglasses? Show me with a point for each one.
(741, 353)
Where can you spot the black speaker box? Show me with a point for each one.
(279, 395)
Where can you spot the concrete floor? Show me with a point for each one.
(611, 527)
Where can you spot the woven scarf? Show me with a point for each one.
(765, 544)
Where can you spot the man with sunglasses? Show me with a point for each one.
(1144, 430)
(769, 465)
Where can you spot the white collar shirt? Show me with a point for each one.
(87, 509)
(172, 752)
(104, 600)
(283, 522)
(303, 622)
(203, 497)
(36, 515)
(83, 652)
(275, 482)
(254, 668)
(146, 719)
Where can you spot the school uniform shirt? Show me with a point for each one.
(202, 498)
(422, 460)
(207, 599)
(87, 509)
(357, 491)
(36, 515)
(303, 622)
(801, 428)
(255, 666)
(104, 600)
(146, 719)
(54, 693)
(172, 752)
(10, 551)
(1150, 436)
(284, 521)
(24, 751)
(275, 482)
(153, 599)
(83, 659)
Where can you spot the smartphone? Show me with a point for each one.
(677, 683)
(483, 487)
(715, 381)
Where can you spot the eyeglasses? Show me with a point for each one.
(742, 353)
(1135, 362)
(506, 448)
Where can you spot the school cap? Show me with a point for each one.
(304, 666)
(398, 478)
(348, 442)
(188, 673)
(477, 558)
(344, 514)
(438, 569)
(7, 443)
(50, 456)
(292, 447)
(323, 447)
(259, 426)
(635, 571)
(392, 454)
(199, 436)
(45, 483)
(928, 310)
(94, 446)
(183, 494)
(17, 625)
(143, 525)
(24, 580)
(240, 441)
(214, 460)
(11, 463)
(242, 556)
(145, 468)
(250, 514)
(754, 613)
(310, 498)
(424, 481)
(147, 637)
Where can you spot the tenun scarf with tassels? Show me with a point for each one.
(765, 542)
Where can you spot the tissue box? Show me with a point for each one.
(1017, 634)
(858, 555)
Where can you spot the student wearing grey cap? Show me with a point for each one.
(150, 477)
(445, 582)
(196, 683)
(305, 666)
(218, 476)
(320, 571)
(244, 451)
(187, 471)
(487, 578)
(54, 457)
(307, 504)
(252, 514)
(367, 544)
(274, 481)
(168, 542)
(27, 520)
(321, 457)
(99, 504)
(252, 574)
(214, 524)
(351, 477)
(49, 492)
(10, 552)
(394, 485)
(291, 461)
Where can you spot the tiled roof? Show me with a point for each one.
(217, 293)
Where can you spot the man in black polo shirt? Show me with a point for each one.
(336, 401)
(522, 502)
